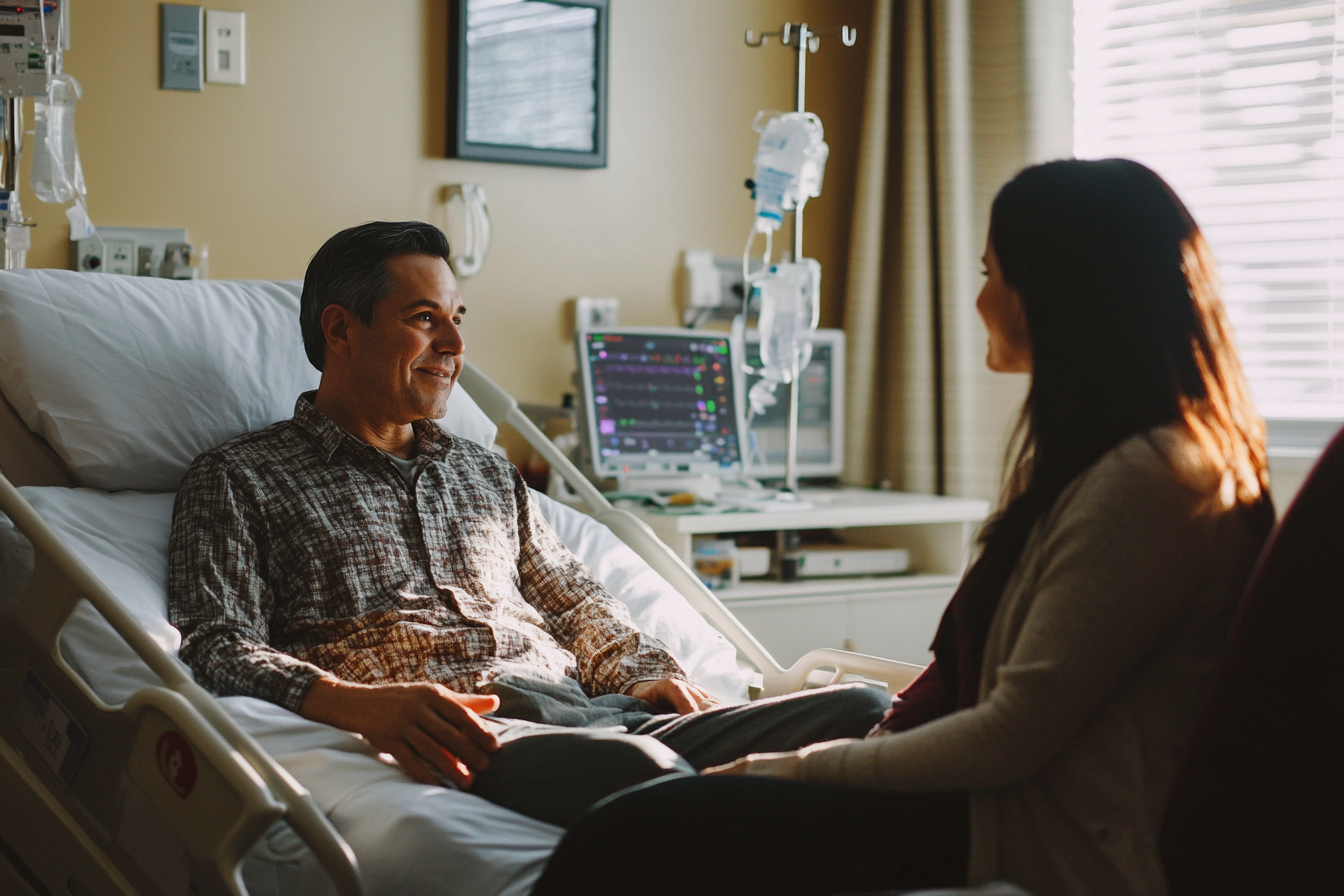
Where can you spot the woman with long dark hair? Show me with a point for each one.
(1072, 662)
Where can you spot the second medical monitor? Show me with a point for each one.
(821, 413)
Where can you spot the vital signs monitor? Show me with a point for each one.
(660, 402)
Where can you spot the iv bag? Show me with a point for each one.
(790, 163)
(57, 175)
(789, 311)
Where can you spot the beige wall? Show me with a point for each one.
(342, 121)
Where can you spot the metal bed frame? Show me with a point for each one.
(72, 767)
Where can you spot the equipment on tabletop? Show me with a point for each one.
(827, 561)
(660, 408)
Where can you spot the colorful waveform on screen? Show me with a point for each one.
(666, 394)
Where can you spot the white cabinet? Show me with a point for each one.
(891, 616)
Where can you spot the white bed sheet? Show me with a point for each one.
(166, 370)
(409, 838)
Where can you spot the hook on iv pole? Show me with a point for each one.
(790, 35)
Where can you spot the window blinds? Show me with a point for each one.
(1239, 106)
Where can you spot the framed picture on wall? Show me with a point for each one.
(527, 82)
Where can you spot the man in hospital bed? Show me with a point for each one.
(361, 567)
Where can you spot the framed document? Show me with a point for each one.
(528, 82)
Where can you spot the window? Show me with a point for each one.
(1239, 106)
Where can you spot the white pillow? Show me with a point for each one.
(130, 378)
(123, 539)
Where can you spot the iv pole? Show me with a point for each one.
(29, 79)
(803, 40)
(15, 233)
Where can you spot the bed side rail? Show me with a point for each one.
(501, 407)
(170, 757)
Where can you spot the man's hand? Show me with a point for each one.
(425, 727)
(674, 694)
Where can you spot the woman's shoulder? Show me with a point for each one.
(1164, 456)
(1156, 491)
(1159, 474)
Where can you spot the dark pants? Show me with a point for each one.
(760, 837)
(556, 773)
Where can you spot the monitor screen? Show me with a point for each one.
(821, 405)
(659, 402)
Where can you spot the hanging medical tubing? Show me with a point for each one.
(790, 165)
(32, 39)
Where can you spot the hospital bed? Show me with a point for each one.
(118, 773)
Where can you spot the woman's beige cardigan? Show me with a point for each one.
(1098, 660)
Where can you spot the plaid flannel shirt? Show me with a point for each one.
(299, 550)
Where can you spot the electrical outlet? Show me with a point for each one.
(225, 46)
(119, 257)
(595, 314)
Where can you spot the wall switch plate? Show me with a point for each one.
(180, 37)
(595, 314)
(225, 46)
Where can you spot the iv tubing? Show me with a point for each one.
(746, 263)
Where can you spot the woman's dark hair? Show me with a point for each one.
(350, 270)
(1127, 329)
(1127, 333)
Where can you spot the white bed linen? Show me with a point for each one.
(130, 378)
(410, 839)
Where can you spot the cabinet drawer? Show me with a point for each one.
(898, 624)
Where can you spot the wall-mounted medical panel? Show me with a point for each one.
(180, 46)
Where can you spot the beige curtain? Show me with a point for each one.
(960, 95)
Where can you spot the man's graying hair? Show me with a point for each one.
(350, 270)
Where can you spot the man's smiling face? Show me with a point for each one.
(409, 358)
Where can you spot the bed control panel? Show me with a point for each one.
(49, 728)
